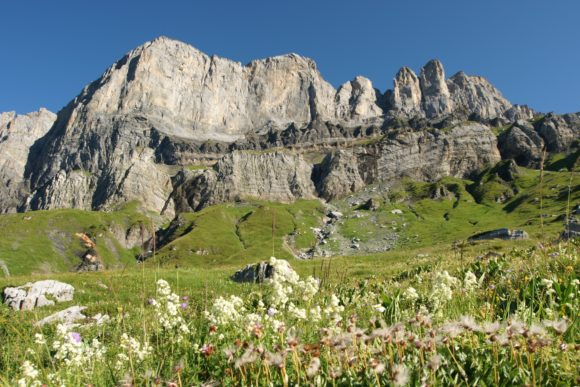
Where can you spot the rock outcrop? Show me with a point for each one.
(521, 143)
(406, 95)
(436, 100)
(278, 176)
(502, 233)
(283, 176)
(38, 294)
(477, 97)
(419, 155)
(358, 100)
(257, 273)
(17, 134)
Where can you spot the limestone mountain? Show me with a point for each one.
(178, 130)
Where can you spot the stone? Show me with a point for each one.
(37, 294)
(335, 215)
(372, 204)
(256, 273)
(571, 229)
(68, 316)
(502, 233)
(396, 211)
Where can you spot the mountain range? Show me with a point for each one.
(178, 130)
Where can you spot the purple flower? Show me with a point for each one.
(184, 305)
(184, 298)
(150, 301)
(76, 337)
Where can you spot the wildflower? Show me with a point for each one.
(410, 294)
(76, 337)
(226, 311)
(133, 349)
(313, 367)
(184, 305)
(167, 308)
(379, 308)
(70, 349)
(491, 327)
(467, 322)
(296, 312)
(248, 357)
(400, 375)
(272, 311)
(470, 281)
(275, 359)
(434, 363)
(559, 326)
(547, 283)
(452, 330)
(39, 339)
(207, 350)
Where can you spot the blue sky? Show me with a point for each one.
(529, 49)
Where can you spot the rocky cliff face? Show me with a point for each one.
(17, 134)
(277, 176)
(145, 128)
(285, 176)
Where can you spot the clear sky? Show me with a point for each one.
(529, 49)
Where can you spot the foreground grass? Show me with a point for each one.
(364, 325)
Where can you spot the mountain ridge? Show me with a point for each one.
(166, 106)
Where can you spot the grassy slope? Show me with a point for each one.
(231, 235)
(44, 241)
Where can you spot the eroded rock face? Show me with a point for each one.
(477, 96)
(104, 146)
(281, 176)
(436, 97)
(17, 134)
(38, 294)
(338, 175)
(406, 95)
(276, 176)
(521, 143)
(357, 100)
(419, 155)
(559, 132)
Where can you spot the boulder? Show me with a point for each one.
(572, 229)
(502, 233)
(256, 273)
(68, 317)
(372, 204)
(38, 294)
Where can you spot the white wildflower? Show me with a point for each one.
(470, 281)
(29, 375)
(225, 311)
(410, 294)
(379, 308)
(39, 339)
